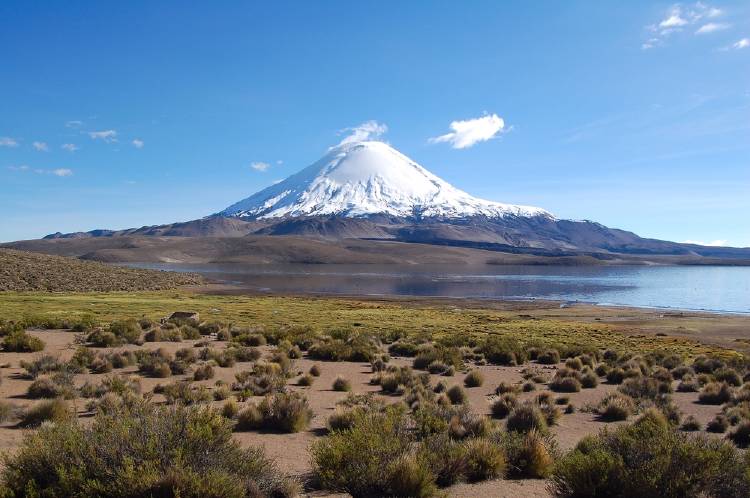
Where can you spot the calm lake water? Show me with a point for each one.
(712, 288)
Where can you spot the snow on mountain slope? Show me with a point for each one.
(366, 178)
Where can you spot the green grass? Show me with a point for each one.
(439, 321)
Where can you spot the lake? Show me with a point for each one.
(710, 288)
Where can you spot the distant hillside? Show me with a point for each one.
(25, 271)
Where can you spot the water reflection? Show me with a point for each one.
(691, 287)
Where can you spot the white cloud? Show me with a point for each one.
(468, 132)
(679, 18)
(743, 43)
(369, 130)
(57, 172)
(260, 166)
(73, 124)
(711, 27)
(108, 136)
(8, 142)
(69, 147)
(713, 243)
(138, 143)
(41, 146)
(674, 20)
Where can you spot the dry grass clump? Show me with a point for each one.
(26, 271)
(525, 417)
(457, 395)
(565, 382)
(474, 379)
(530, 455)
(615, 407)
(342, 384)
(280, 412)
(54, 410)
(715, 393)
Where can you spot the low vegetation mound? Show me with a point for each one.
(25, 271)
(139, 449)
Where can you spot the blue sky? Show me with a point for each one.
(633, 114)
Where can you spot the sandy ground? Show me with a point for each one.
(291, 450)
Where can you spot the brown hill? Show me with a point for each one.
(25, 271)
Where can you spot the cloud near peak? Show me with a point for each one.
(469, 132)
(369, 130)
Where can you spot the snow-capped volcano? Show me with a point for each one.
(366, 178)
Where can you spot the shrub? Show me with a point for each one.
(715, 393)
(221, 393)
(589, 380)
(525, 417)
(410, 476)
(549, 357)
(45, 387)
(503, 351)
(645, 388)
(505, 387)
(54, 410)
(574, 363)
(616, 376)
(719, 424)
(688, 385)
(690, 424)
(565, 385)
(484, 459)
(651, 459)
(729, 376)
(143, 450)
(342, 419)
(615, 407)
(503, 405)
(457, 395)
(306, 380)
(315, 370)
(359, 460)
(740, 435)
(203, 372)
(22, 342)
(154, 335)
(285, 412)
(530, 455)
(230, 409)
(7, 411)
(474, 379)
(528, 387)
(126, 330)
(341, 384)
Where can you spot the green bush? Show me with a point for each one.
(410, 476)
(22, 342)
(128, 331)
(650, 459)
(140, 449)
(359, 460)
(503, 351)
